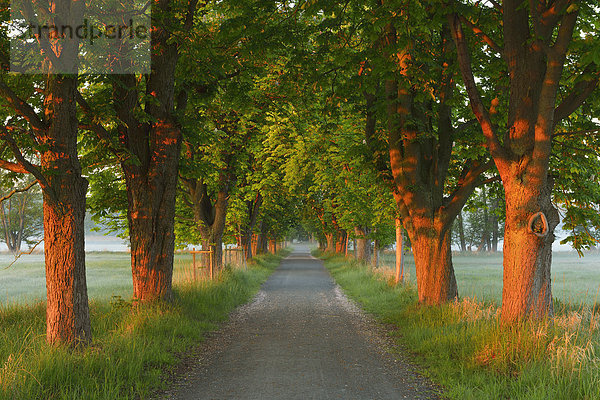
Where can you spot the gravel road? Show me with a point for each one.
(300, 338)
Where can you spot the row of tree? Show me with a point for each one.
(349, 116)
(528, 72)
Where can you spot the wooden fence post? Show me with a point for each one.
(194, 265)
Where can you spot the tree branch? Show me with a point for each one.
(21, 107)
(466, 184)
(29, 167)
(479, 33)
(100, 131)
(481, 113)
(565, 34)
(582, 90)
(15, 191)
(14, 167)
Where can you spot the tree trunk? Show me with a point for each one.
(399, 252)
(494, 225)
(19, 237)
(523, 155)
(375, 258)
(330, 243)
(461, 233)
(212, 240)
(272, 246)
(363, 245)
(209, 216)
(67, 313)
(151, 207)
(5, 217)
(431, 243)
(253, 209)
(151, 180)
(340, 242)
(254, 243)
(263, 239)
(527, 289)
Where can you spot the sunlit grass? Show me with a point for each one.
(463, 346)
(133, 347)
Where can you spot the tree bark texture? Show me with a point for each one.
(151, 189)
(151, 180)
(330, 242)
(420, 161)
(272, 246)
(63, 187)
(431, 241)
(64, 193)
(527, 284)
(155, 142)
(535, 57)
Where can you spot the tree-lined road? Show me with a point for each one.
(301, 338)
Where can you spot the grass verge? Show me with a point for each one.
(463, 347)
(133, 348)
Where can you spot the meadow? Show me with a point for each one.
(108, 276)
(575, 280)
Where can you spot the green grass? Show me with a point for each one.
(133, 348)
(463, 347)
(574, 279)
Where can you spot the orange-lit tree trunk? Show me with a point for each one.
(341, 241)
(154, 142)
(151, 186)
(64, 192)
(272, 245)
(419, 161)
(330, 242)
(535, 58)
(527, 284)
(431, 241)
(59, 175)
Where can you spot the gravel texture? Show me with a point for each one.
(300, 338)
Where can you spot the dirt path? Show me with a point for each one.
(301, 338)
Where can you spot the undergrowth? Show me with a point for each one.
(134, 347)
(463, 346)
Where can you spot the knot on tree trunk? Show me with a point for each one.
(538, 224)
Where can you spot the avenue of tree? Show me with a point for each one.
(438, 123)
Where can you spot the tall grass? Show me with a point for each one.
(463, 346)
(134, 347)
